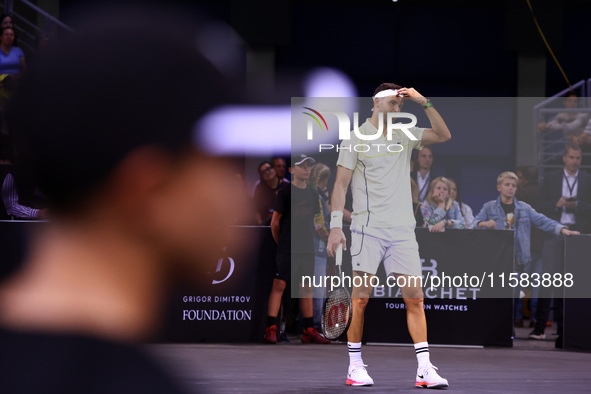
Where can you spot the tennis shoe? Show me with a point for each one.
(311, 335)
(427, 377)
(358, 376)
(271, 334)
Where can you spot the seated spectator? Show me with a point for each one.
(564, 128)
(454, 194)
(12, 59)
(501, 213)
(10, 207)
(6, 20)
(265, 193)
(416, 203)
(439, 210)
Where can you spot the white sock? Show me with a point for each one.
(354, 353)
(422, 351)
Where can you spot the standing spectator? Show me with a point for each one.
(318, 182)
(528, 190)
(265, 193)
(456, 195)
(293, 220)
(12, 59)
(566, 198)
(422, 173)
(280, 168)
(506, 212)
(439, 209)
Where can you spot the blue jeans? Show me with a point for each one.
(534, 266)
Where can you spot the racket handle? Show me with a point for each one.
(339, 255)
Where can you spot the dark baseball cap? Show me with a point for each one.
(300, 159)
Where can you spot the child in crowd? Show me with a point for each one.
(439, 209)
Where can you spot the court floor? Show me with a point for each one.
(528, 367)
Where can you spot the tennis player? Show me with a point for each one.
(383, 223)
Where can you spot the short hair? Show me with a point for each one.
(100, 94)
(506, 174)
(530, 173)
(573, 147)
(386, 86)
(278, 158)
(262, 163)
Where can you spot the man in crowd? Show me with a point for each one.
(292, 227)
(422, 172)
(280, 168)
(566, 198)
(136, 203)
(383, 222)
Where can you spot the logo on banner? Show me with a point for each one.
(224, 267)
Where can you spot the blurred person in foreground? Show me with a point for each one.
(136, 204)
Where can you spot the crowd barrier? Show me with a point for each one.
(229, 305)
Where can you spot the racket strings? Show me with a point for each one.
(336, 313)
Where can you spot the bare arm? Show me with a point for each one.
(276, 225)
(438, 131)
(339, 193)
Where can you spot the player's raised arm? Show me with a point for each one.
(339, 193)
(438, 131)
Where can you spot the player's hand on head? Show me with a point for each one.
(412, 94)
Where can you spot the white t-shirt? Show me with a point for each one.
(381, 179)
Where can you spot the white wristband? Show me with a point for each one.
(336, 219)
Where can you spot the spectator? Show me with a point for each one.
(416, 203)
(439, 209)
(566, 198)
(6, 20)
(265, 193)
(502, 213)
(10, 206)
(422, 173)
(293, 218)
(454, 194)
(137, 202)
(565, 127)
(12, 59)
(280, 168)
(318, 182)
(528, 190)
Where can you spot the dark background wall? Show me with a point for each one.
(454, 48)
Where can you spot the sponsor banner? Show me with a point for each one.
(576, 310)
(456, 315)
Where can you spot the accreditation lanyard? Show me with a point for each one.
(570, 188)
(424, 185)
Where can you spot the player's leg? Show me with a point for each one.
(303, 269)
(403, 259)
(357, 375)
(367, 252)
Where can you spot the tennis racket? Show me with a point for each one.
(338, 309)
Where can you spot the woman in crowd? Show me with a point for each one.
(265, 193)
(12, 59)
(439, 210)
(456, 195)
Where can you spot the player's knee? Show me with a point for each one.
(414, 303)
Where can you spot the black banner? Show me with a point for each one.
(577, 320)
(460, 315)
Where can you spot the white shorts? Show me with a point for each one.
(396, 246)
